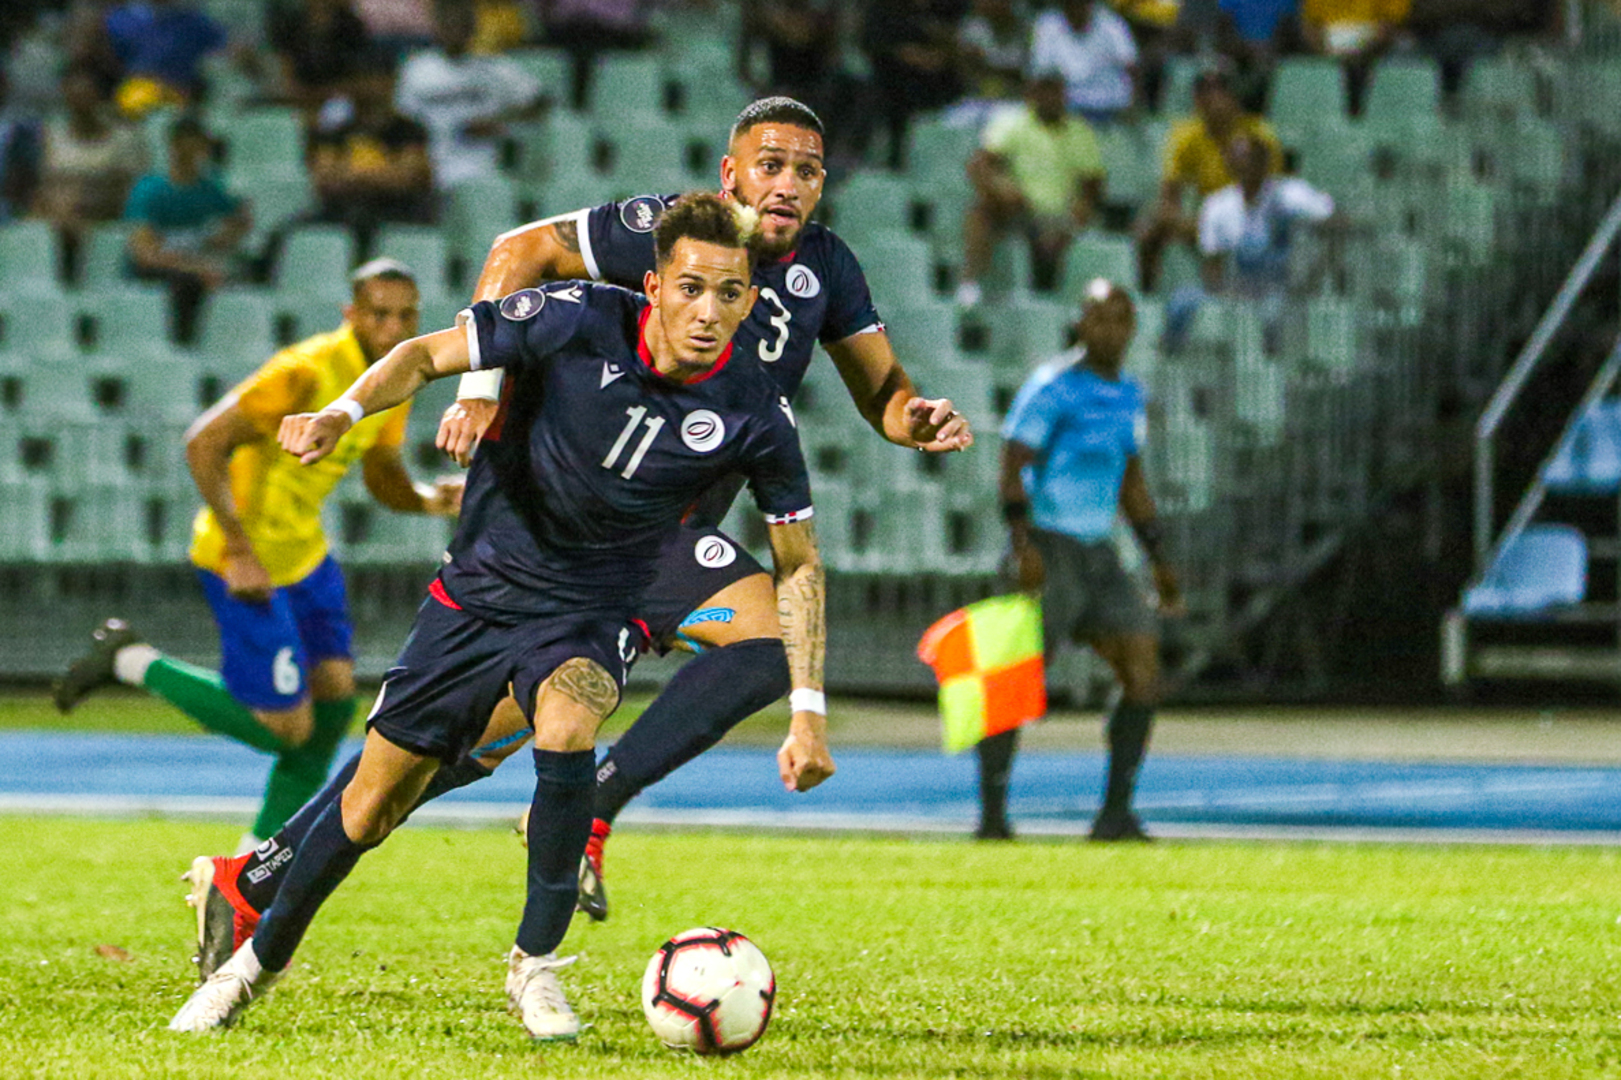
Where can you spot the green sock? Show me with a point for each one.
(298, 774)
(201, 695)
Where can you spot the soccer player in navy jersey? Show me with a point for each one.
(619, 411)
(710, 594)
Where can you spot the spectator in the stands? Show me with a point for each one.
(800, 42)
(370, 164)
(1246, 234)
(1154, 27)
(321, 45)
(1038, 171)
(397, 26)
(1094, 49)
(912, 47)
(993, 50)
(90, 161)
(1357, 32)
(160, 46)
(1253, 34)
(499, 26)
(464, 101)
(588, 28)
(1455, 32)
(19, 158)
(1195, 157)
(188, 228)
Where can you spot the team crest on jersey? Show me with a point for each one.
(702, 431)
(803, 282)
(641, 213)
(523, 304)
(714, 552)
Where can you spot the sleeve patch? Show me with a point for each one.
(523, 304)
(640, 214)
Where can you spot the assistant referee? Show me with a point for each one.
(1070, 459)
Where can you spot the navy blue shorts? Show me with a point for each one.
(694, 564)
(268, 647)
(455, 668)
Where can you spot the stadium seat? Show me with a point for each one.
(563, 144)
(898, 266)
(131, 317)
(238, 325)
(478, 212)
(1542, 568)
(37, 327)
(1306, 92)
(926, 329)
(1176, 92)
(28, 261)
(1469, 223)
(1331, 334)
(26, 524)
(1404, 93)
(1589, 460)
(316, 259)
(551, 68)
(1500, 86)
(424, 249)
(1009, 275)
(627, 85)
(265, 142)
(301, 315)
(105, 257)
(939, 153)
(872, 202)
(274, 201)
(1094, 255)
(1132, 164)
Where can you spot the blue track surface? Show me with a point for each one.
(888, 789)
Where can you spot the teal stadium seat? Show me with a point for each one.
(561, 145)
(301, 315)
(1404, 93)
(1176, 94)
(274, 201)
(1132, 164)
(425, 250)
(551, 68)
(25, 526)
(626, 86)
(1332, 334)
(477, 213)
(28, 262)
(37, 327)
(265, 142)
(938, 154)
(1501, 87)
(1095, 255)
(872, 202)
(106, 255)
(898, 266)
(238, 326)
(131, 318)
(1306, 92)
(316, 260)
(924, 329)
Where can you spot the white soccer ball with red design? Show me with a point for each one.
(708, 990)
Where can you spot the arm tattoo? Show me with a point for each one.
(802, 608)
(568, 234)
(585, 683)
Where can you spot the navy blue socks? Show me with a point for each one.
(1128, 730)
(711, 694)
(325, 857)
(559, 826)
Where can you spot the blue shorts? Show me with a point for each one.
(456, 667)
(268, 648)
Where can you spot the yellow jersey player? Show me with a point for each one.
(286, 682)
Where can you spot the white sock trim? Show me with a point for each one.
(130, 663)
(248, 962)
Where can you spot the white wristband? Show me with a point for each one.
(807, 700)
(350, 407)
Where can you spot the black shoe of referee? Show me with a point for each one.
(1117, 826)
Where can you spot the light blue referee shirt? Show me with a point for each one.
(1083, 429)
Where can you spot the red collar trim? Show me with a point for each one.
(647, 354)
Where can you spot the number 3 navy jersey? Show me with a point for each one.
(816, 293)
(594, 455)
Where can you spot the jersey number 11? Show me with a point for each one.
(637, 412)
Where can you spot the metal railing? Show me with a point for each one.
(1525, 365)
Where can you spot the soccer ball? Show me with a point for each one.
(708, 990)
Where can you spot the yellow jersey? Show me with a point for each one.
(277, 499)
(1192, 156)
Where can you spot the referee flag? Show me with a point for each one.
(987, 658)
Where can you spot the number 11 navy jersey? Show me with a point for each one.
(594, 456)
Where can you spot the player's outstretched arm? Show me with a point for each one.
(1138, 506)
(545, 251)
(407, 368)
(884, 394)
(804, 760)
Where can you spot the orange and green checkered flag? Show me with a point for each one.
(987, 658)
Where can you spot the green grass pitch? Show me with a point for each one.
(895, 958)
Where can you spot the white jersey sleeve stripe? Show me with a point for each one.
(470, 324)
(581, 219)
(791, 517)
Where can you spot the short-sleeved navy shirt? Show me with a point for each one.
(815, 293)
(594, 456)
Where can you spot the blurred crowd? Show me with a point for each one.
(403, 100)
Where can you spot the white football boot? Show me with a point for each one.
(534, 993)
(217, 1003)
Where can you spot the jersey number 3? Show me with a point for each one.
(636, 412)
(771, 351)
